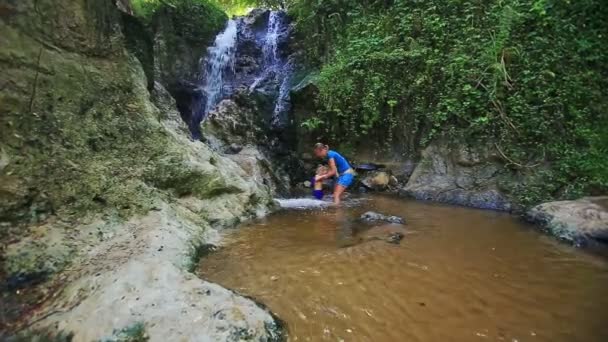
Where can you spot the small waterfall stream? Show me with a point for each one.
(271, 62)
(219, 66)
(282, 68)
(283, 104)
(275, 66)
(220, 76)
(271, 42)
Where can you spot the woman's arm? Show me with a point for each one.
(332, 171)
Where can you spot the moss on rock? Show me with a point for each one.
(97, 172)
(79, 132)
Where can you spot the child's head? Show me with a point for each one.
(321, 150)
(321, 170)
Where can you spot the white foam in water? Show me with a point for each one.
(301, 203)
(309, 203)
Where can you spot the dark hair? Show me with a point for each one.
(321, 146)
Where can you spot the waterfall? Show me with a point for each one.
(283, 104)
(282, 69)
(275, 65)
(271, 42)
(227, 66)
(219, 67)
(270, 45)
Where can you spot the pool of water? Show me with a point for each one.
(458, 275)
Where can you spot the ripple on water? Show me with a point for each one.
(459, 275)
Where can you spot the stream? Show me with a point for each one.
(459, 274)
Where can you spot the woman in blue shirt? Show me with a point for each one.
(338, 166)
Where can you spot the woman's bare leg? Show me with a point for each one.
(338, 191)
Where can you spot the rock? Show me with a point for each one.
(393, 181)
(14, 197)
(386, 233)
(376, 180)
(372, 216)
(404, 170)
(257, 18)
(130, 194)
(124, 6)
(260, 168)
(306, 156)
(234, 126)
(178, 49)
(459, 175)
(126, 281)
(369, 167)
(305, 108)
(576, 221)
(234, 149)
(395, 238)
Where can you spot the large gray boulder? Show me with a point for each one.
(576, 221)
(459, 175)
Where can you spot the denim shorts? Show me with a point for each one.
(346, 179)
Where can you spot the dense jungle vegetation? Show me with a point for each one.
(527, 77)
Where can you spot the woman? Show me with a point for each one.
(338, 166)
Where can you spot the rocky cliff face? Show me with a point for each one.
(98, 172)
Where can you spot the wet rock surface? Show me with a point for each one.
(236, 128)
(372, 216)
(577, 221)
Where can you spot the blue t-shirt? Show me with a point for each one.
(341, 162)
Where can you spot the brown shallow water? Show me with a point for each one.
(458, 275)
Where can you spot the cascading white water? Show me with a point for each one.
(283, 104)
(269, 49)
(219, 65)
(223, 72)
(271, 42)
(273, 64)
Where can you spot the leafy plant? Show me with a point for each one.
(312, 124)
(528, 77)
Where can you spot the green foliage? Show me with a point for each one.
(529, 77)
(194, 15)
(241, 7)
(312, 124)
(147, 8)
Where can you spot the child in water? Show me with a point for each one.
(317, 186)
